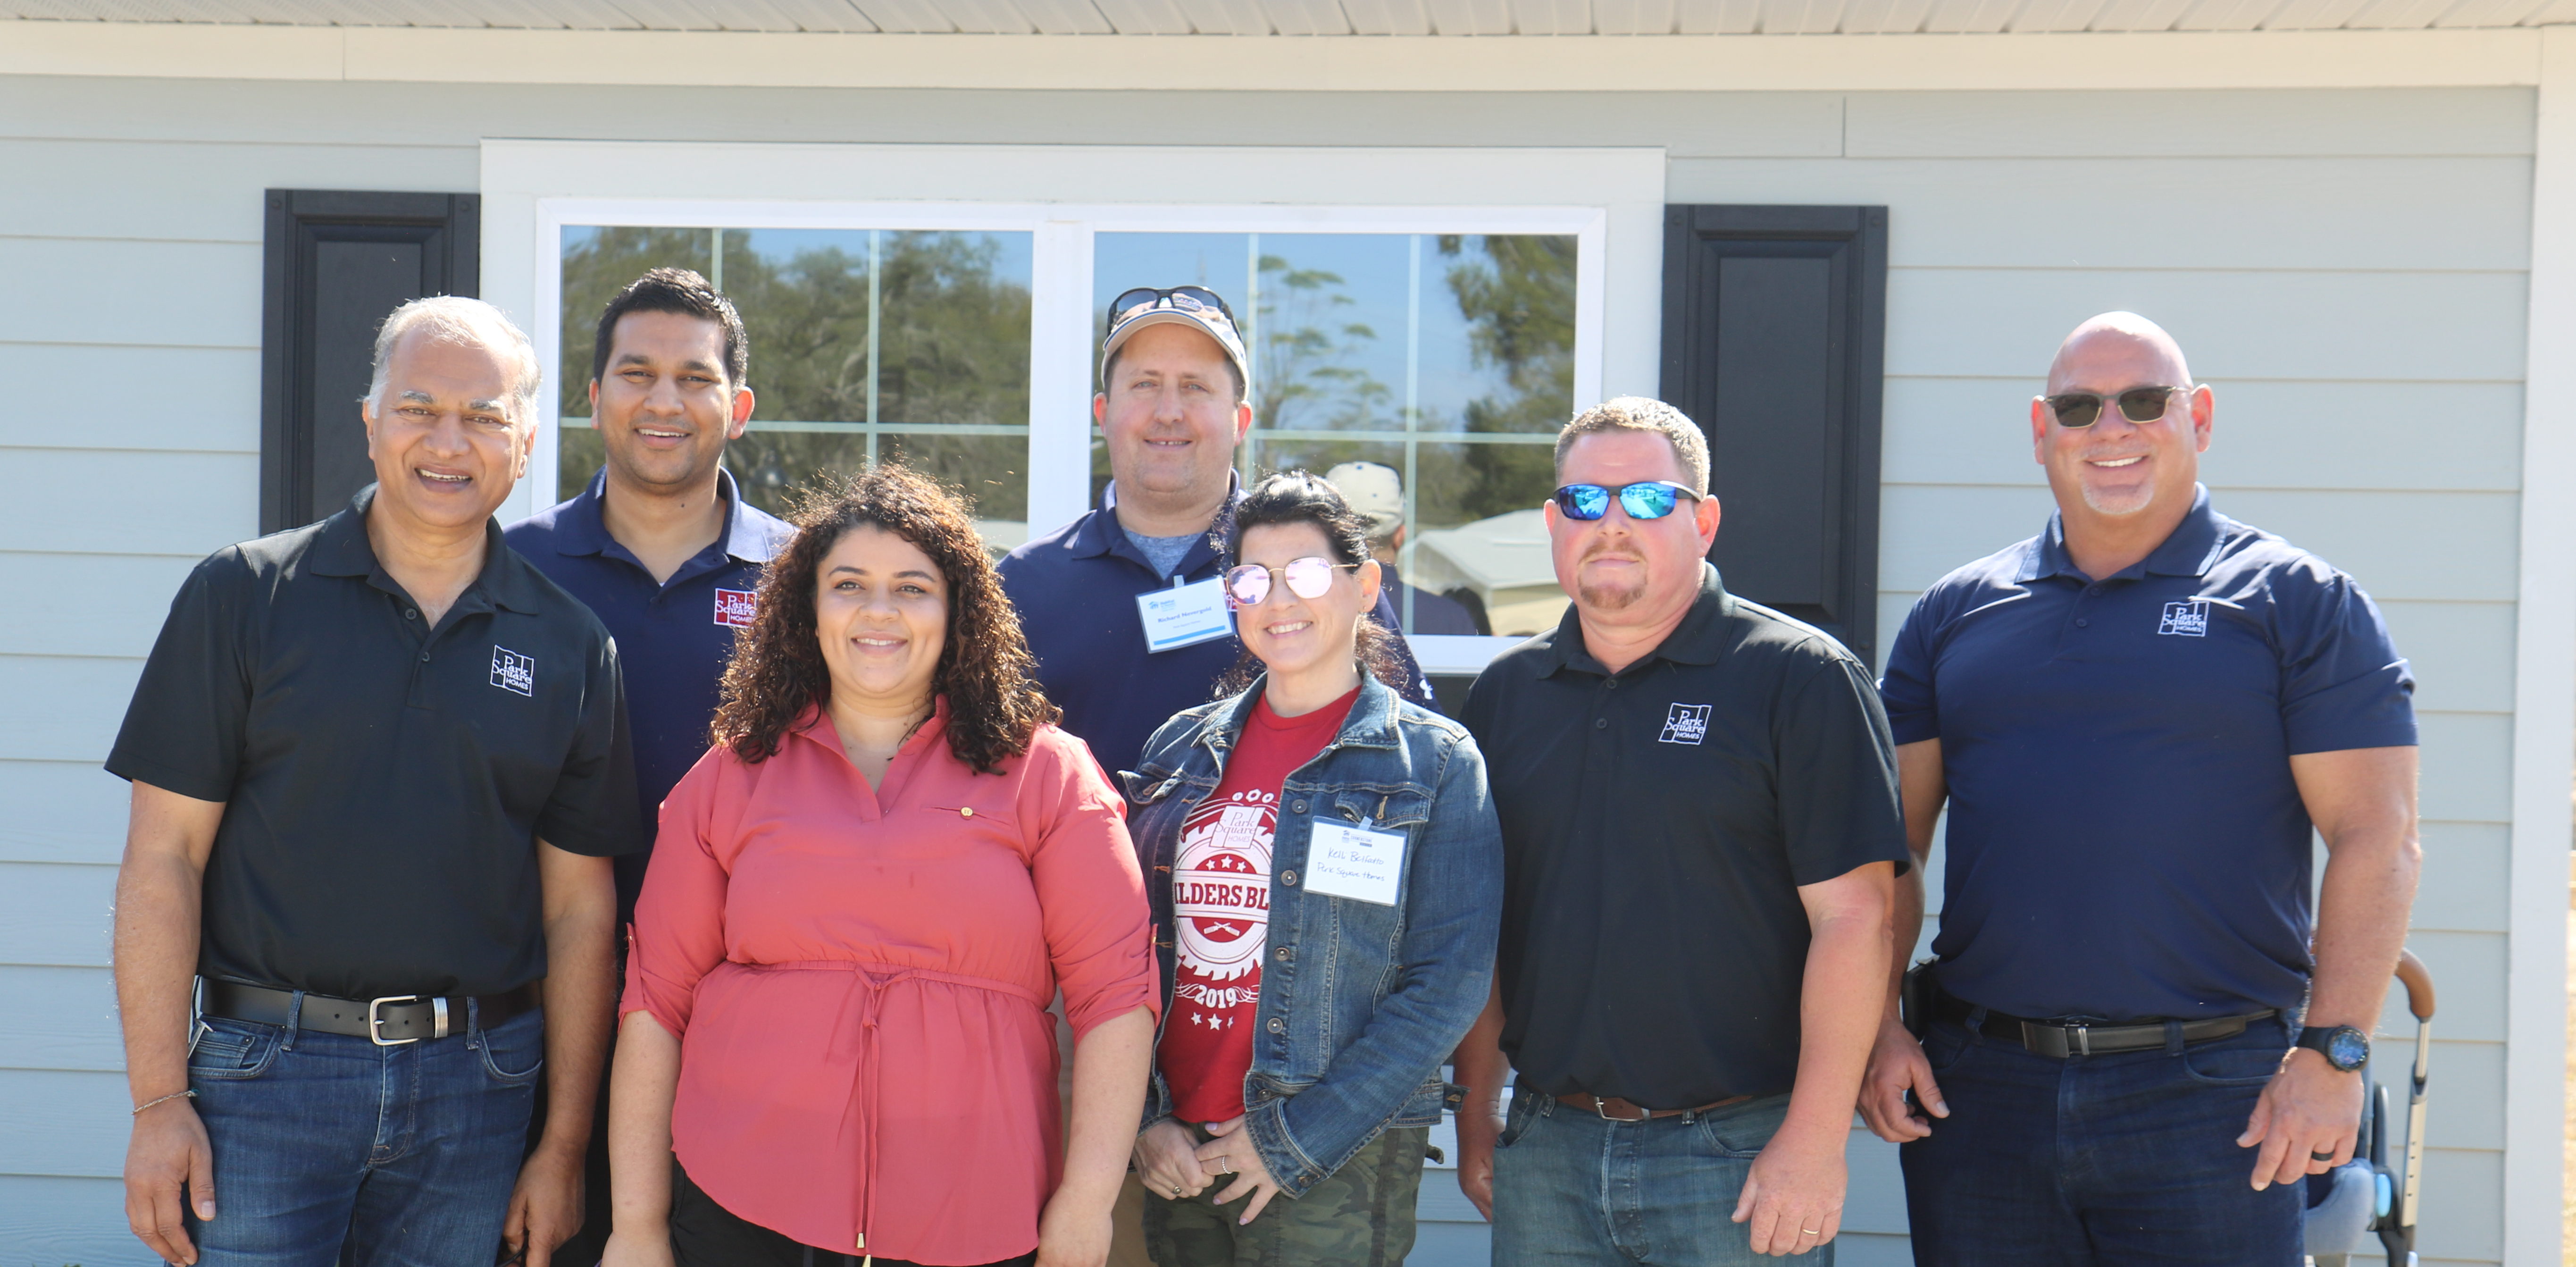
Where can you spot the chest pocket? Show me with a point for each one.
(1393, 809)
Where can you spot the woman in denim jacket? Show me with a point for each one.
(1326, 875)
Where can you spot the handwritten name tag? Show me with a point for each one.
(1184, 615)
(1354, 862)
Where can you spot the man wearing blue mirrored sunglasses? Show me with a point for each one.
(1700, 831)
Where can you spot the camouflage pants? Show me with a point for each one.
(1360, 1216)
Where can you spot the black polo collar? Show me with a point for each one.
(1701, 638)
(342, 549)
(2189, 550)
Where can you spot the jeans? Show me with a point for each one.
(1361, 1215)
(2098, 1160)
(331, 1150)
(1572, 1187)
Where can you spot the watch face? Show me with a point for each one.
(2348, 1048)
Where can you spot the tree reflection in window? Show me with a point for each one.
(943, 385)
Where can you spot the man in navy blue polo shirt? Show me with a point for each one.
(661, 547)
(2131, 1046)
(1172, 407)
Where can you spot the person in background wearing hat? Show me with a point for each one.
(1173, 404)
(1124, 608)
(1377, 492)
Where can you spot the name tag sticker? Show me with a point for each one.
(1354, 862)
(1184, 615)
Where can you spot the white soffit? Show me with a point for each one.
(1329, 17)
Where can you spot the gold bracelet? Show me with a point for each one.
(189, 1094)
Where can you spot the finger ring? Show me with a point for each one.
(1224, 1167)
(1806, 1231)
(2328, 1155)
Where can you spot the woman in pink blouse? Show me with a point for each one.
(835, 1034)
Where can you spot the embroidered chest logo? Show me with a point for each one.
(1687, 723)
(735, 607)
(514, 672)
(2189, 619)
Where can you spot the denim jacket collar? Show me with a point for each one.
(1371, 723)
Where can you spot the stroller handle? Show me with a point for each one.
(2419, 985)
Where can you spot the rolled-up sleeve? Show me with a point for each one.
(1091, 893)
(679, 933)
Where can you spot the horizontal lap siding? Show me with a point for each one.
(2346, 267)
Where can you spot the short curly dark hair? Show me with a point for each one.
(985, 670)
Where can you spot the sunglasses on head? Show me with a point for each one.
(2078, 410)
(1647, 499)
(1308, 577)
(1178, 298)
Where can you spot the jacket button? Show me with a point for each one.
(1285, 954)
(1288, 878)
(1278, 1026)
(1298, 808)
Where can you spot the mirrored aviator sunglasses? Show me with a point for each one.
(2078, 410)
(1181, 298)
(1309, 577)
(1649, 499)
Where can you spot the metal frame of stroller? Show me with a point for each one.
(2393, 1196)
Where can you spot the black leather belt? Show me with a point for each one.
(2060, 1039)
(390, 1021)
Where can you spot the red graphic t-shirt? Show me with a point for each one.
(1221, 910)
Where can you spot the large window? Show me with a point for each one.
(1447, 343)
(1448, 358)
(865, 344)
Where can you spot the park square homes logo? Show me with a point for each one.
(514, 672)
(2189, 619)
(1686, 723)
(735, 607)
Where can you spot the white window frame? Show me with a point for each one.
(1610, 200)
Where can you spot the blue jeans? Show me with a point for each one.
(401, 1156)
(2122, 1159)
(1571, 1187)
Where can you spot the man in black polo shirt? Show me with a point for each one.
(1700, 836)
(2136, 718)
(378, 764)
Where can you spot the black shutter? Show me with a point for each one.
(338, 263)
(1775, 323)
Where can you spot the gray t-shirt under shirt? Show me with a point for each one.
(1163, 552)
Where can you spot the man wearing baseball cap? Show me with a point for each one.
(1375, 490)
(1122, 606)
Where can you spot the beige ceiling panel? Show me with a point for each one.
(1144, 17)
(1717, 17)
(2554, 11)
(1632, 17)
(1470, 17)
(1552, 17)
(987, 17)
(2312, 15)
(1225, 17)
(1065, 17)
(1307, 17)
(2056, 15)
(671, 15)
(2489, 13)
(1885, 17)
(909, 16)
(825, 15)
(1801, 17)
(1388, 17)
(2226, 15)
(2139, 15)
(2398, 15)
(1971, 17)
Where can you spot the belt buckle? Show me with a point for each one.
(376, 1023)
(2079, 1037)
(1601, 1109)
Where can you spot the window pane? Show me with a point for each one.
(865, 344)
(1415, 343)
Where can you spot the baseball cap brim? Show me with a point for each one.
(1212, 326)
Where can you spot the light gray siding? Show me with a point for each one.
(2346, 267)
